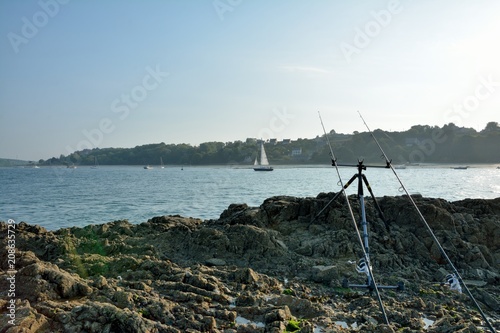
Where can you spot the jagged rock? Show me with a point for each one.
(278, 315)
(123, 299)
(26, 319)
(100, 282)
(300, 307)
(246, 276)
(245, 300)
(257, 269)
(42, 279)
(322, 273)
(489, 300)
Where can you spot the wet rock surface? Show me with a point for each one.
(271, 268)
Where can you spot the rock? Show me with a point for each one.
(324, 274)
(441, 274)
(234, 211)
(245, 300)
(246, 276)
(215, 262)
(370, 320)
(383, 328)
(42, 278)
(475, 283)
(278, 315)
(123, 299)
(300, 307)
(100, 282)
(27, 319)
(257, 269)
(491, 301)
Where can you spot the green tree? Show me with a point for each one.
(492, 126)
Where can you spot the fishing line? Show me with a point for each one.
(422, 218)
(365, 255)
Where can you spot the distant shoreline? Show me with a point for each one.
(283, 166)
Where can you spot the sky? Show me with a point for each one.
(121, 73)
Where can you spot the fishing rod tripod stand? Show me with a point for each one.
(362, 264)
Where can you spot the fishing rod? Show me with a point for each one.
(367, 266)
(422, 218)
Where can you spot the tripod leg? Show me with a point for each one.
(334, 198)
(374, 199)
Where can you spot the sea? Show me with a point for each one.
(57, 197)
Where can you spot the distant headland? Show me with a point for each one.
(419, 144)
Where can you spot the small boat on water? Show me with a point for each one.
(401, 166)
(161, 164)
(71, 166)
(95, 163)
(461, 168)
(263, 164)
(148, 167)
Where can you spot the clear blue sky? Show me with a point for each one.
(77, 74)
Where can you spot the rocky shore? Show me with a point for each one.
(256, 269)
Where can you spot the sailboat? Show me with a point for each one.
(33, 165)
(264, 163)
(161, 163)
(95, 163)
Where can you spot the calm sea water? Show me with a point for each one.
(59, 197)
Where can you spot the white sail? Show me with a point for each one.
(263, 156)
(263, 164)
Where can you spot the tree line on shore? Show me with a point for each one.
(419, 144)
